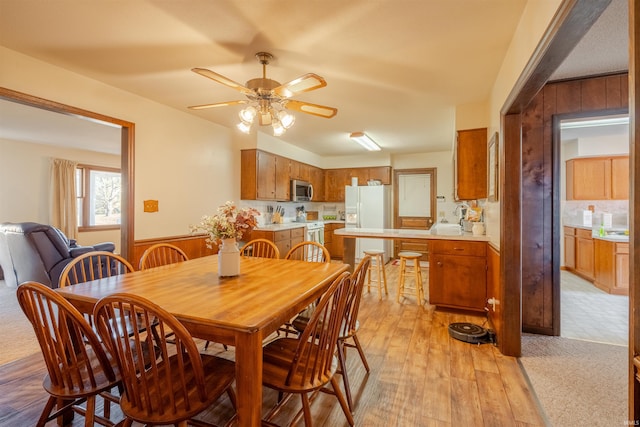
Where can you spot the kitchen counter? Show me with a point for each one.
(395, 233)
(613, 236)
(283, 226)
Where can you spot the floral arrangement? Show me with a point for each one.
(229, 223)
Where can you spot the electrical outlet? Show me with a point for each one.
(151, 206)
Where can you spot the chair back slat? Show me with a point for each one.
(94, 265)
(314, 356)
(152, 387)
(161, 254)
(355, 295)
(261, 248)
(69, 345)
(309, 251)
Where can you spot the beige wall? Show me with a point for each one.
(24, 183)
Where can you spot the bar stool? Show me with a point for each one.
(377, 265)
(404, 269)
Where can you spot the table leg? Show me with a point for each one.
(349, 252)
(249, 378)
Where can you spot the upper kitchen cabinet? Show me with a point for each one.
(264, 176)
(470, 164)
(335, 181)
(316, 178)
(598, 178)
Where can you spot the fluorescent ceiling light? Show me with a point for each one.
(609, 121)
(364, 140)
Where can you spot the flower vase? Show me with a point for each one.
(228, 258)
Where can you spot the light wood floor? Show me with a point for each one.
(419, 376)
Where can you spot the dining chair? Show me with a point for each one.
(94, 265)
(161, 254)
(309, 251)
(261, 248)
(348, 331)
(172, 389)
(307, 364)
(78, 367)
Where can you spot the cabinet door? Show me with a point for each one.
(317, 180)
(283, 182)
(382, 173)
(570, 248)
(588, 179)
(585, 256)
(335, 180)
(471, 164)
(266, 176)
(458, 281)
(622, 268)
(620, 178)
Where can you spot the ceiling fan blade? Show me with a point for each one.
(222, 79)
(307, 107)
(217, 104)
(302, 84)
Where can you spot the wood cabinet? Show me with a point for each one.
(470, 164)
(337, 179)
(598, 178)
(570, 248)
(584, 253)
(264, 176)
(284, 239)
(333, 243)
(458, 274)
(612, 266)
(267, 176)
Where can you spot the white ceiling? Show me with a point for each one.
(395, 68)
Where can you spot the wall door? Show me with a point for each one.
(414, 205)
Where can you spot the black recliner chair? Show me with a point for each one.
(37, 252)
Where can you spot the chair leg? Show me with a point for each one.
(46, 411)
(343, 403)
(361, 352)
(343, 371)
(384, 276)
(307, 409)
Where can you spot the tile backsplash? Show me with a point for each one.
(619, 209)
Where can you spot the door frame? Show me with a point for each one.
(127, 141)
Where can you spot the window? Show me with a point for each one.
(99, 192)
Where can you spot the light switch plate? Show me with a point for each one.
(151, 206)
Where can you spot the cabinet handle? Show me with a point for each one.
(439, 264)
(458, 249)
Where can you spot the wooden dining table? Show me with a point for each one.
(239, 311)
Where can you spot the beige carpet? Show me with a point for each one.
(578, 383)
(17, 338)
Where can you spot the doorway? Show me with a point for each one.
(126, 154)
(589, 310)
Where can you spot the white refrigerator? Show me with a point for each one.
(369, 207)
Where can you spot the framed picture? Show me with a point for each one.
(493, 168)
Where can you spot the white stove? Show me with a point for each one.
(315, 231)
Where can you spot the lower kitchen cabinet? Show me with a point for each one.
(570, 248)
(584, 253)
(612, 266)
(458, 274)
(333, 243)
(284, 239)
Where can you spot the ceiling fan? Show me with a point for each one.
(268, 99)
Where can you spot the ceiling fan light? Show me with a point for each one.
(364, 140)
(278, 129)
(248, 114)
(286, 119)
(244, 127)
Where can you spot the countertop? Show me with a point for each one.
(394, 233)
(293, 224)
(615, 237)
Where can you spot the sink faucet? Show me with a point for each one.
(460, 211)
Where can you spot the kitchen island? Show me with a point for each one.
(458, 263)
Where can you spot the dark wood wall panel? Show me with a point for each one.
(193, 245)
(540, 283)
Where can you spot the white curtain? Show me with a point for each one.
(63, 197)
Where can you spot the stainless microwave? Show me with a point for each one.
(301, 191)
